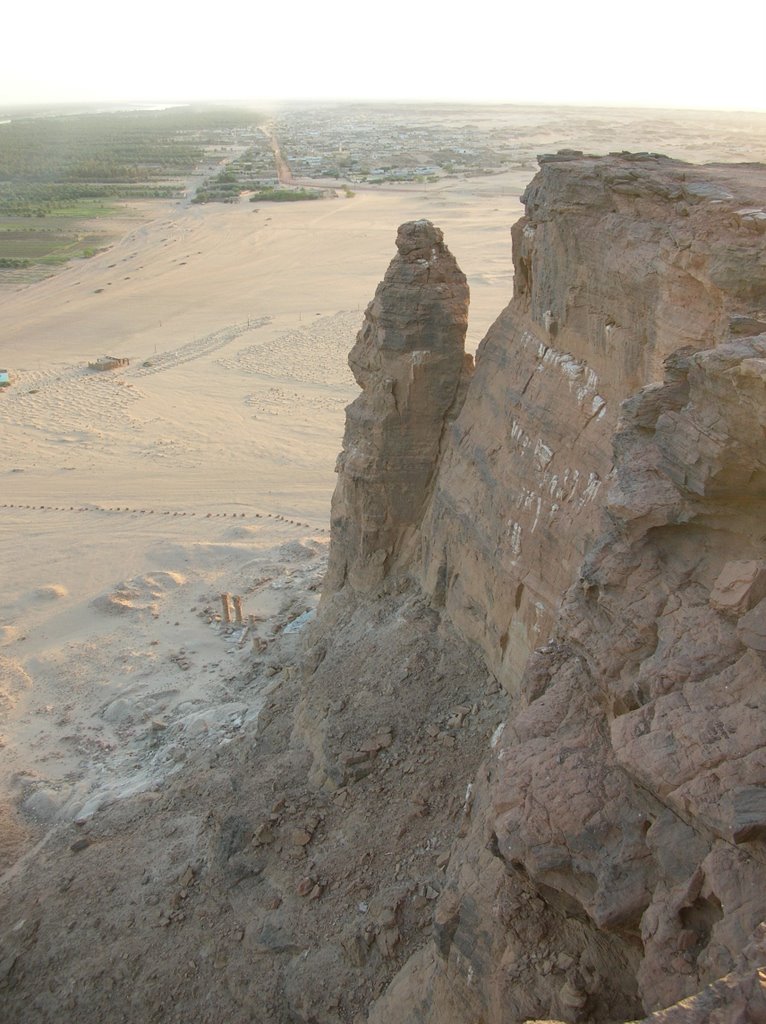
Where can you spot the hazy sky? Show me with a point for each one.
(680, 53)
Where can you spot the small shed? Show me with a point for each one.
(5, 378)
(108, 363)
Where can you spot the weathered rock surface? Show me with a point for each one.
(609, 452)
(619, 262)
(626, 792)
(240, 891)
(652, 695)
(409, 359)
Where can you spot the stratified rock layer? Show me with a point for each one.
(627, 791)
(409, 359)
(599, 501)
(619, 262)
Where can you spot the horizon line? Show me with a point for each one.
(376, 101)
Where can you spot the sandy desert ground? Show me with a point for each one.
(129, 500)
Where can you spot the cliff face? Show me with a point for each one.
(651, 691)
(599, 501)
(619, 262)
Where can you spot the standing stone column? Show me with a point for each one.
(409, 359)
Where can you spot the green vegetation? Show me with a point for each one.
(51, 163)
(121, 147)
(23, 199)
(254, 169)
(285, 195)
(60, 170)
(87, 209)
(218, 190)
(24, 246)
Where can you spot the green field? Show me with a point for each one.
(84, 209)
(285, 195)
(47, 246)
(51, 240)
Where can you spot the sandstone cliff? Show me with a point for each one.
(599, 501)
(628, 784)
(409, 359)
(619, 262)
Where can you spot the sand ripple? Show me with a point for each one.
(314, 354)
(194, 349)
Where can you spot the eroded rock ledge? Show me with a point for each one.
(599, 501)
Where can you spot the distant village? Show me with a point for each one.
(378, 145)
(364, 145)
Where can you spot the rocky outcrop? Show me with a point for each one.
(620, 831)
(739, 996)
(594, 528)
(409, 359)
(652, 689)
(619, 262)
